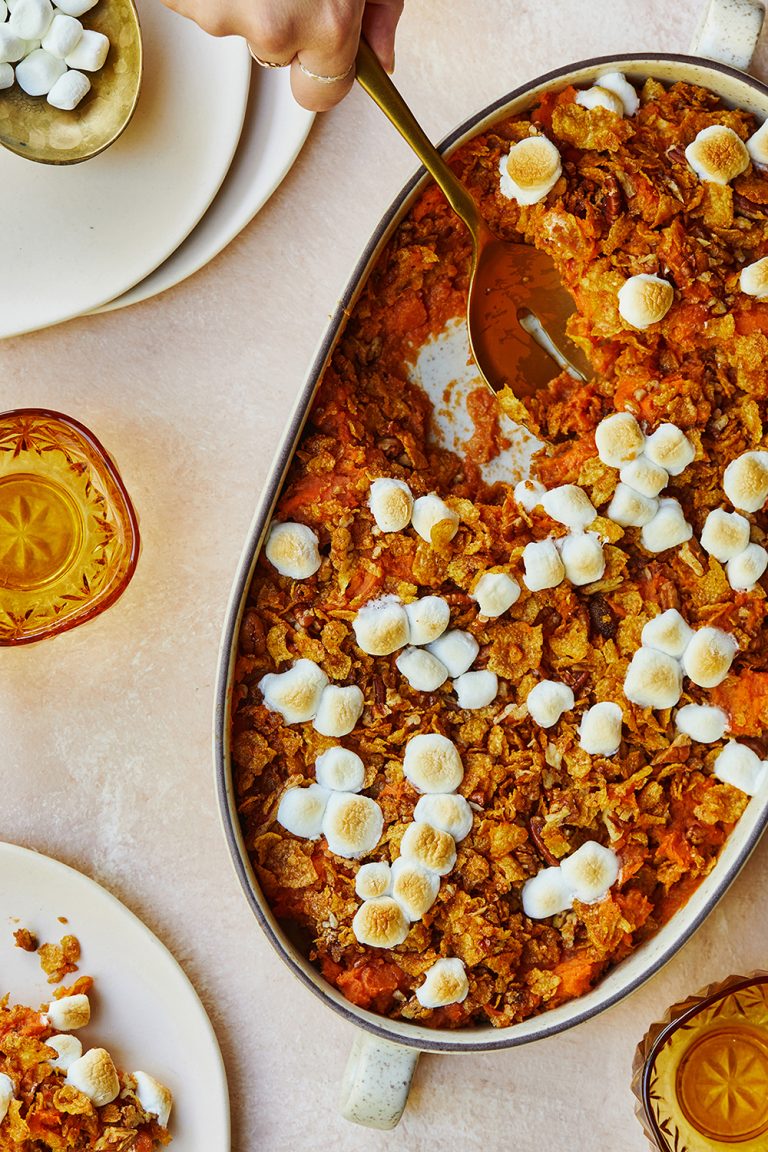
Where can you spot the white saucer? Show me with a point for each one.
(273, 134)
(76, 236)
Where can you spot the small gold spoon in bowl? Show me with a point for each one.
(30, 127)
(517, 307)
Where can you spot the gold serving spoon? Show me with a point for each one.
(517, 307)
(30, 127)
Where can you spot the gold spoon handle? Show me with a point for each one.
(380, 88)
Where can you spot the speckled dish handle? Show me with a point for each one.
(376, 1082)
(729, 31)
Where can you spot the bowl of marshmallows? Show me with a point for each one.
(70, 74)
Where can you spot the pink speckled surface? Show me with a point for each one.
(106, 730)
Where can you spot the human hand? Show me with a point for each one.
(313, 36)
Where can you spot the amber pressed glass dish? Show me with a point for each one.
(701, 1075)
(69, 539)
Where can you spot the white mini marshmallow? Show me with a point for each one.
(745, 481)
(670, 448)
(7, 76)
(37, 73)
(667, 633)
(75, 7)
(740, 767)
(702, 722)
(62, 36)
(380, 923)
(415, 888)
(495, 592)
(644, 476)
(3, 11)
(428, 846)
(753, 279)
(757, 146)
(717, 154)
(7, 1093)
(543, 565)
(95, 1076)
(154, 1097)
(600, 729)
(295, 694)
(373, 880)
(67, 1048)
(90, 52)
(448, 811)
(429, 513)
(69, 1012)
(631, 509)
(546, 894)
(31, 19)
(428, 618)
(599, 97)
(617, 83)
(667, 529)
(456, 649)
(653, 680)
(293, 550)
(569, 505)
(301, 811)
(530, 170)
(590, 871)
(528, 494)
(352, 824)
(422, 670)
(583, 558)
(725, 534)
(476, 689)
(547, 701)
(381, 626)
(744, 570)
(432, 763)
(340, 770)
(445, 983)
(619, 439)
(391, 502)
(69, 90)
(645, 299)
(339, 710)
(708, 658)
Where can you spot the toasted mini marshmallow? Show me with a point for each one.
(373, 880)
(546, 894)
(428, 846)
(430, 513)
(745, 570)
(432, 763)
(528, 494)
(600, 729)
(717, 154)
(645, 299)
(415, 888)
(547, 701)
(583, 558)
(7, 1093)
(476, 689)
(95, 1076)
(381, 626)
(449, 812)
(617, 83)
(745, 481)
(619, 439)
(69, 1012)
(380, 923)
(753, 279)
(670, 448)
(631, 509)
(668, 528)
(352, 824)
(653, 679)
(293, 550)
(667, 633)
(422, 670)
(154, 1097)
(530, 170)
(445, 983)
(739, 766)
(644, 476)
(340, 770)
(495, 592)
(68, 1049)
(725, 534)
(543, 565)
(295, 694)
(757, 146)
(569, 505)
(428, 618)
(590, 871)
(598, 97)
(301, 811)
(456, 649)
(702, 722)
(339, 710)
(708, 657)
(391, 502)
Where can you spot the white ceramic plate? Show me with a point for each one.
(145, 1011)
(273, 134)
(76, 236)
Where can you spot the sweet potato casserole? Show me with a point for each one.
(434, 806)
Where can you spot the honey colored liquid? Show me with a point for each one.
(722, 1082)
(41, 531)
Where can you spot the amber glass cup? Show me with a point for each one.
(701, 1075)
(69, 539)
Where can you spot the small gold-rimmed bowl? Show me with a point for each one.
(31, 127)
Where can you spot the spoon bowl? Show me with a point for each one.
(31, 127)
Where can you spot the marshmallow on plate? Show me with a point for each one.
(95, 1076)
(456, 650)
(702, 722)
(301, 811)
(432, 515)
(547, 701)
(90, 52)
(31, 19)
(293, 550)
(583, 558)
(428, 846)
(445, 983)
(740, 767)
(753, 279)
(599, 97)
(476, 689)
(645, 299)
(37, 73)
(670, 448)
(653, 679)
(391, 502)
(590, 871)
(725, 534)
(707, 659)
(295, 694)
(381, 626)
(600, 729)
(543, 565)
(415, 888)
(63, 34)
(340, 770)
(7, 76)
(75, 7)
(69, 90)
(432, 763)
(717, 154)
(745, 481)
(7, 1093)
(339, 710)
(617, 83)
(644, 476)
(428, 618)
(12, 47)
(630, 508)
(447, 811)
(568, 504)
(744, 570)
(667, 633)
(422, 670)
(667, 529)
(546, 894)
(352, 824)
(495, 592)
(530, 170)
(373, 880)
(528, 494)
(619, 439)
(757, 146)
(67, 1049)
(154, 1097)
(380, 923)
(69, 1012)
